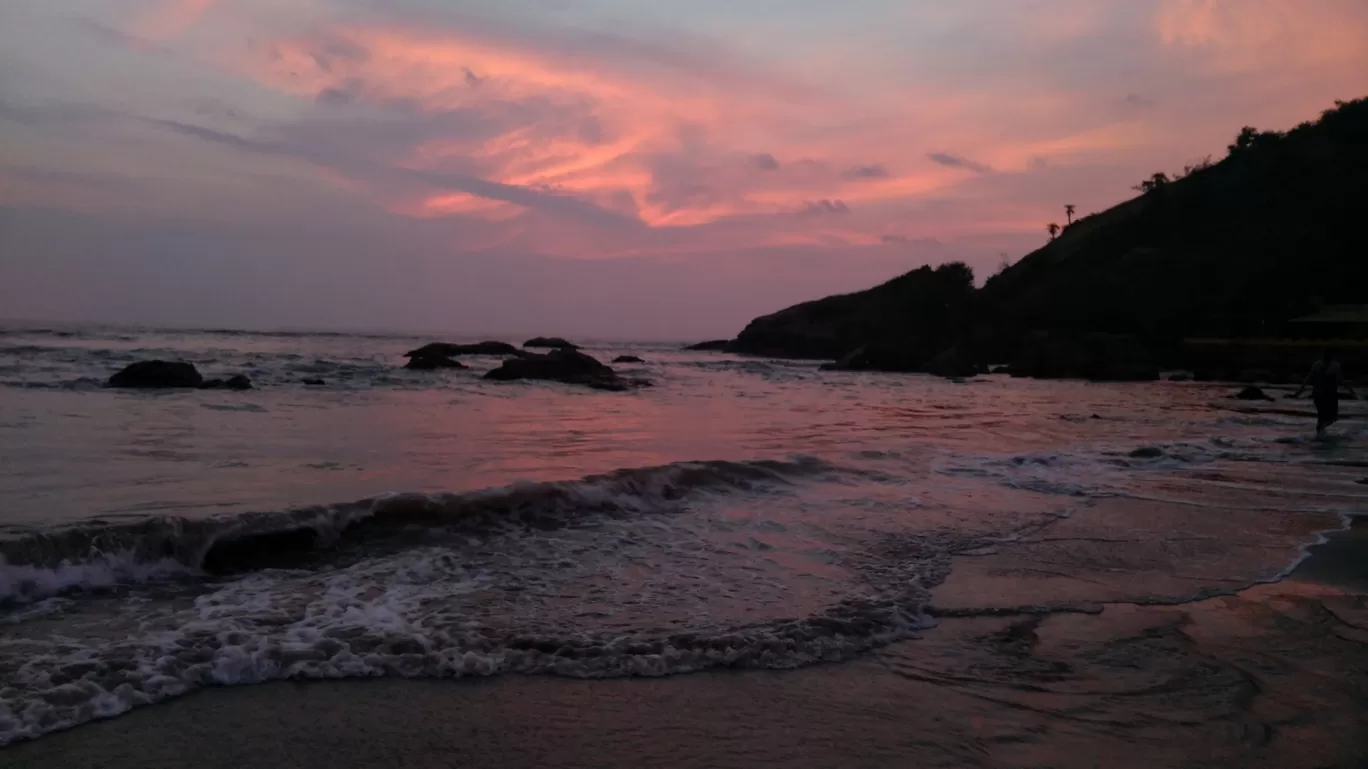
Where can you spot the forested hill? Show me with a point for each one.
(1231, 248)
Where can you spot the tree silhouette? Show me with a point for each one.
(1069, 212)
(1245, 140)
(1054, 230)
(1155, 182)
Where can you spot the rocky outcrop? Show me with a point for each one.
(313, 382)
(568, 366)
(448, 350)
(1099, 357)
(916, 312)
(432, 363)
(550, 341)
(712, 345)
(628, 359)
(157, 374)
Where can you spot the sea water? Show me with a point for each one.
(741, 512)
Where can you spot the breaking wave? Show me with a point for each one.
(108, 555)
(600, 577)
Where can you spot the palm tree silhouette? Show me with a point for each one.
(1054, 230)
(1069, 211)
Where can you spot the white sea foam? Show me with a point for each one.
(24, 582)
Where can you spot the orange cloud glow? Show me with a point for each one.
(609, 136)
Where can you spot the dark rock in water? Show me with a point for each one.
(432, 363)
(238, 382)
(157, 374)
(712, 345)
(1363, 481)
(1147, 452)
(550, 341)
(569, 366)
(1181, 376)
(313, 382)
(448, 350)
(1252, 393)
(951, 364)
(628, 359)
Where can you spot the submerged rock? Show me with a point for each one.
(712, 345)
(569, 366)
(550, 341)
(1252, 393)
(448, 350)
(432, 363)
(157, 374)
(1147, 452)
(238, 382)
(628, 359)
(313, 382)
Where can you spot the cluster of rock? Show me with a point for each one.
(164, 374)
(562, 363)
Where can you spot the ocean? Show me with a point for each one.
(742, 512)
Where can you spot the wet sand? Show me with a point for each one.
(1273, 676)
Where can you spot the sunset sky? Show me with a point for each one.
(610, 168)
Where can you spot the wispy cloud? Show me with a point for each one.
(823, 207)
(955, 161)
(866, 172)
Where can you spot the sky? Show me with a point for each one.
(597, 168)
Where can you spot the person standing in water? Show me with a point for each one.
(1324, 380)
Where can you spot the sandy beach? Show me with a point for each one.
(1275, 675)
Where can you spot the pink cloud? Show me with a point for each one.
(557, 140)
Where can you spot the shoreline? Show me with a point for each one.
(1273, 676)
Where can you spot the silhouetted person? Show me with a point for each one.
(1324, 380)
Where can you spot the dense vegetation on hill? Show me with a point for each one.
(1234, 248)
